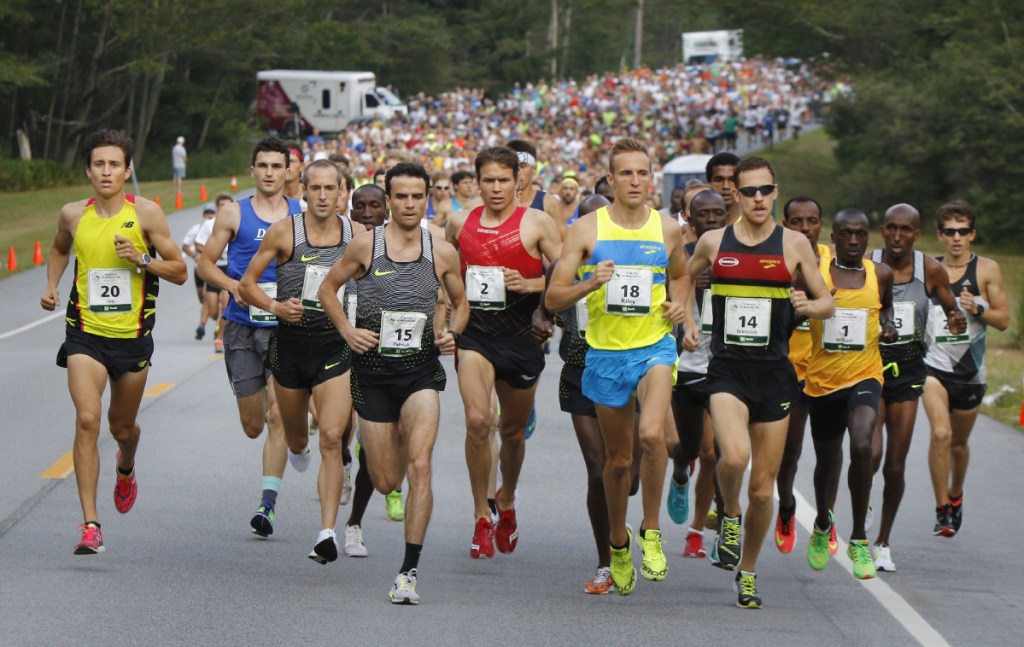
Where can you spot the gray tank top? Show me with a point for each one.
(300, 275)
(910, 305)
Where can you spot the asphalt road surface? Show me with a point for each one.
(183, 568)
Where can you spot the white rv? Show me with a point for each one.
(293, 102)
(708, 46)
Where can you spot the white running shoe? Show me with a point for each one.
(346, 484)
(326, 548)
(403, 591)
(883, 559)
(302, 460)
(354, 542)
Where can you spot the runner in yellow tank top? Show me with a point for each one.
(845, 375)
(803, 214)
(111, 312)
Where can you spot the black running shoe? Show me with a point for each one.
(956, 512)
(729, 543)
(944, 521)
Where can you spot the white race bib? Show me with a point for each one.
(110, 290)
(941, 323)
(747, 321)
(315, 275)
(401, 333)
(582, 317)
(903, 319)
(706, 315)
(257, 314)
(805, 326)
(629, 291)
(485, 287)
(847, 331)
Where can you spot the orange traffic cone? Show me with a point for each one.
(37, 255)
(178, 204)
(202, 193)
(157, 201)
(1022, 414)
(12, 260)
(234, 182)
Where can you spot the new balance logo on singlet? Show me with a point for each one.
(127, 225)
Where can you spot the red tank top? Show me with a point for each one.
(500, 246)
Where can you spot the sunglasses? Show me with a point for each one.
(963, 231)
(443, 187)
(751, 191)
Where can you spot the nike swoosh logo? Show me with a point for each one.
(863, 392)
(328, 367)
(306, 259)
(383, 273)
(916, 386)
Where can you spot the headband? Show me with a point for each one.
(526, 158)
(570, 179)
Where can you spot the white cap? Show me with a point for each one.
(181, 140)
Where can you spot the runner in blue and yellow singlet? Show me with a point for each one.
(110, 315)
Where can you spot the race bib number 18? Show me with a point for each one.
(629, 291)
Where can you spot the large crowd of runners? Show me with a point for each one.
(706, 335)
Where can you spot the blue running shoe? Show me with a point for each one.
(531, 424)
(678, 501)
(262, 522)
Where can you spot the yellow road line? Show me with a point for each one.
(64, 466)
(157, 389)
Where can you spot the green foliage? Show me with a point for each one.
(18, 175)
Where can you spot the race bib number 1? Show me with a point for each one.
(110, 290)
(629, 291)
(846, 331)
(259, 315)
(401, 333)
(747, 321)
(485, 287)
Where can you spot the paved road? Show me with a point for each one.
(182, 567)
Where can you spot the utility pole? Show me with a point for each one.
(638, 38)
(553, 39)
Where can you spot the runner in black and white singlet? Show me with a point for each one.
(306, 354)
(956, 363)
(916, 278)
(397, 376)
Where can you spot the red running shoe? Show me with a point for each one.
(91, 542)
(694, 544)
(125, 489)
(785, 534)
(483, 540)
(506, 533)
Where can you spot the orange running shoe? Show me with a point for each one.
(785, 534)
(601, 582)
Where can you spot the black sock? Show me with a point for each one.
(625, 545)
(493, 505)
(270, 497)
(787, 513)
(412, 557)
(680, 476)
(126, 472)
(94, 524)
(346, 456)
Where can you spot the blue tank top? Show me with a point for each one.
(251, 230)
(538, 201)
(431, 212)
(574, 217)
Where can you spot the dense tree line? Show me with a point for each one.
(937, 113)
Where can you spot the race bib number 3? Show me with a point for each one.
(846, 332)
(747, 321)
(259, 315)
(942, 333)
(110, 290)
(629, 291)
(485, 287)
(903, 319)
(311, 285)
(401, 333)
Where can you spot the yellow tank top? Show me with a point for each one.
(110, 297)
(800, 340)
(845, 347)
(626, 312)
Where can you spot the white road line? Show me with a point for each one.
(30, 326)
(890, 600)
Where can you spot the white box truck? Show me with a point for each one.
(293, 102)
(707, 46)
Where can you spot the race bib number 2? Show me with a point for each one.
(485, 287)
(942, 333)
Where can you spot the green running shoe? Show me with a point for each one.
(654, 566)
(818, 552)
(393, 504)
(623, 571)
(860, 553)
(746, 591)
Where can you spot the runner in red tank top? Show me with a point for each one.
(501, 248)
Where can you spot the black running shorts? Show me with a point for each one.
(517, 360)
(379, 397)
(769, 389)
(301, 361)
(830, 413)
(117, 355)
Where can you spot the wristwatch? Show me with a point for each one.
(455, 336)
(981, 311)
(146, 261)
